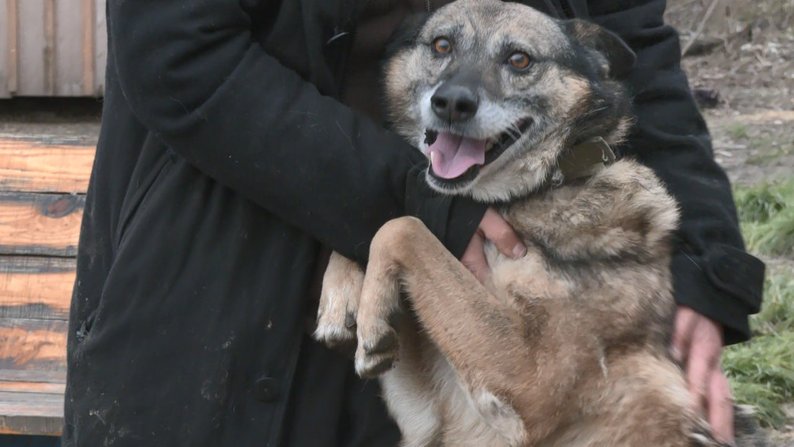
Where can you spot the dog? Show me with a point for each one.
(568, 345)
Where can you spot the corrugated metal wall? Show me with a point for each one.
(52, 47)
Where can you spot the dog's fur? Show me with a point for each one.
(567, 346)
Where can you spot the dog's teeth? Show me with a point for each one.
(434, 158)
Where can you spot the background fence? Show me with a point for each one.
(52, 47)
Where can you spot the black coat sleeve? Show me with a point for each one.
(192, 73)
(712, 273)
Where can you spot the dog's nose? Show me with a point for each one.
(454, 103)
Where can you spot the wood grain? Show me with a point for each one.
(45, 164)
(40, 224)
(32, 387)
(31, 413)
(47, 54)
(28, 344)
(100, 47)
(35, 287)
(50, 63)
(26, 403)
(13, 46)
(33, 376)
(88, 46)
(31, 402)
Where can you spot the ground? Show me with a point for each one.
(744, 58)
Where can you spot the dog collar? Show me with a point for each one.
(586, 159)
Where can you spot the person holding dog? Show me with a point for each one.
(235, 143)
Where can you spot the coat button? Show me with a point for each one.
(266, 389)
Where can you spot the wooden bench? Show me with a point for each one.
(43, 180)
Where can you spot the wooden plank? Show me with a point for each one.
(4, 50)
(45, 164)
(13, 46)
(32, 387)
(31, 413)
(88, 47)
(69, 58)
(50, 62)
(27, 344)
(40, 224)
(52, 48)
(31, 72)
(35, 287)
(31, 402)
(100, 48)
(15, 375)
(86, 138)
(28, 401)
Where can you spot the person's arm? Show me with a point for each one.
(712, 272)
(193, 74)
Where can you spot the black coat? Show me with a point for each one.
(223, 165)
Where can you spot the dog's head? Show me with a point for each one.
(493, 93)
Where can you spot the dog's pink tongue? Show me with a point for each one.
(452, 155)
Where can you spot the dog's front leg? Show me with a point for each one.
(483, 337)
(341, 291)
(472, 328)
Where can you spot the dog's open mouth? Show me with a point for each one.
(455, 158)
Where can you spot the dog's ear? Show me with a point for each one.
(617, 53)
(406, 34)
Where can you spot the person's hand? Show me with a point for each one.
(697, 345)
(495, 229)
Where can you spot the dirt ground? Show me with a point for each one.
(751, 69)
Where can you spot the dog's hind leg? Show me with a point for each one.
(641, 400)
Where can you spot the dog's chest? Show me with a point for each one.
(534, 219)
(529, 273)
(479, 418)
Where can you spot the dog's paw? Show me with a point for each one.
(377, 350)
(336, 329)
(336, 315)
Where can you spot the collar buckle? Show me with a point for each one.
(586, 159)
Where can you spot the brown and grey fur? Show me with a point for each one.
(566, 346)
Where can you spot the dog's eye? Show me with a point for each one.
(519, 60)
(442, 45)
